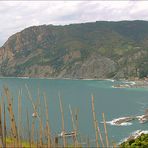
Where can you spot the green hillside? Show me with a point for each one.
(90, 50)
(140, 142)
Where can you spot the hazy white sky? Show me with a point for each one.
(17, 15)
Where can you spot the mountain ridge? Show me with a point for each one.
(102, 49)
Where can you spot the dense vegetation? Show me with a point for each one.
(140, 142)
(91, 50)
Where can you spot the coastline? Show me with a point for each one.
(132, 84)
(57, 78)
(124, 83)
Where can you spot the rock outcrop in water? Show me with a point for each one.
(122, 121)
(143, 118)
(90, 50)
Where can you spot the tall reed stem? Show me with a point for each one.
(19, 118)
(2, 110)
(28, 127)
(95, 120)
(105, 129)
(1, 129)
(63, 127)
(74, 127)
(101, 139)
(47, 123)
(5, 132)
(11, 114)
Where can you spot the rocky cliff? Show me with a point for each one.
(90, 50)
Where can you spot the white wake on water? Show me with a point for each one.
(122, 124)
(122, 121)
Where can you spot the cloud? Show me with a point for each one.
(17, 15)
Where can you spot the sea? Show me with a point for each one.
(114, 102)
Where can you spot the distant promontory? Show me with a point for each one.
(94, 50)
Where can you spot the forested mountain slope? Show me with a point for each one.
(90, 50)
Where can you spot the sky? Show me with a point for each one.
(17, 15)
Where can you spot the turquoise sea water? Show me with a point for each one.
(114, 102)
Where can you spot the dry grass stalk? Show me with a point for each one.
(40, 123)
(74, 127)
(101, 139)
(1, 129)
(2, 108)
(32, 131)
(16, 133)
(95, 121)
(37, 144)
(47, 123)
(63, 127)
(2, 102)
(35, 111)
(105, 130)
(11, 114)
(30, 97)
(19, 118)
(76, 120)
(33, 105)
(114, 145)
(5, 131)
(56, 142)
(41, 133)
(88, 142)
(33, 121)
(28, 127)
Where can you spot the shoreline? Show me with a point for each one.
(56, 78)
(125, 83)
(67, 78)
(132, 84)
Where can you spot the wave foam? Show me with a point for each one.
(112, 80)
(122, 124)
(129, 82)
(114, 122)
